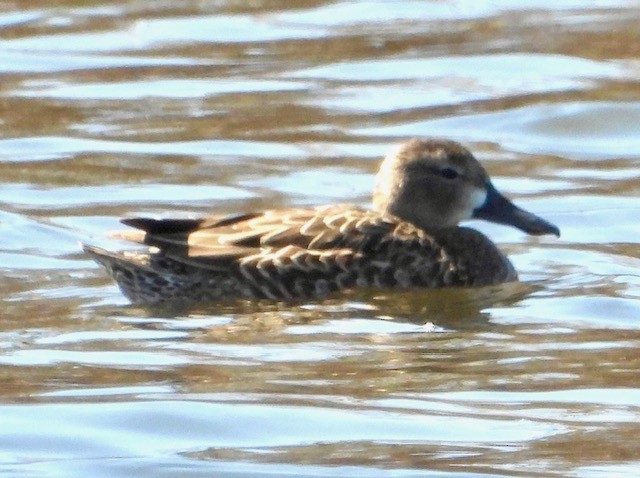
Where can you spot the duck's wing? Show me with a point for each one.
(172, 236)
(228, 237)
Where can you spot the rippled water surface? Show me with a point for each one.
(119, 108)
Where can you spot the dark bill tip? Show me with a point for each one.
(499, 209)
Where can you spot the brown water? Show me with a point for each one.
(116, 108)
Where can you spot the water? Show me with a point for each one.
(137, 107)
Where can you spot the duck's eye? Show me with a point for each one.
(449, 173)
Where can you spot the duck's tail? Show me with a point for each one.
(132, 271)
(114, 260)
(145, 277)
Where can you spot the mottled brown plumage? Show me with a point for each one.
(411, 239)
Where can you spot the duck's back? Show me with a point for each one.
(297, 253)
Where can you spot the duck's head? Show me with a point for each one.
(435, 184)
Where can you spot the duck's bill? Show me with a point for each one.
(499, 209)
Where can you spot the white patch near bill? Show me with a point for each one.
(477, 198)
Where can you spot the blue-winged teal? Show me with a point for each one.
(411, 239)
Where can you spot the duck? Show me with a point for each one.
(410, 238)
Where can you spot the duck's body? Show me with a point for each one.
(411, 240)
(299, 253)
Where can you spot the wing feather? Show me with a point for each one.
(292, 244)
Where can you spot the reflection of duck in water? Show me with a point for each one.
(411, 239)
